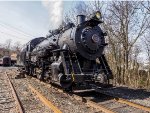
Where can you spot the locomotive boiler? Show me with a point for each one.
(71, 56)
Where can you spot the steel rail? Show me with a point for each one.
(82, 99)
(127, 102)
(93, 104)
(120, 100)
(17, 100)
(101, 107)
(45, 101)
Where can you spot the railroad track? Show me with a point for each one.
(104, 102)
(99, 100)
(9, 101)
(40, 102)
(44, 100)
(125, 101)
(111, 104)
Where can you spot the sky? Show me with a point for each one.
(24, 20)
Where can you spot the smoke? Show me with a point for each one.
(55, 9)
(80, 8)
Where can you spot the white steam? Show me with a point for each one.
(55, 9)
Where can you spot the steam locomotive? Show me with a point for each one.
(71, 56)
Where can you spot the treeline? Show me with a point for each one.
(127, 24)
(8, 48)
(128, 34)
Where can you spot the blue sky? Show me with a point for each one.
(24, 20)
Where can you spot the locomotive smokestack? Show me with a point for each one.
(80, 19)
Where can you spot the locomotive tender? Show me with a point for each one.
(71, 56)
(6, 61)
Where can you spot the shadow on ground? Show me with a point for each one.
(121, 92)
(128, 93)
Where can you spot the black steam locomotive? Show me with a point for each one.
(71, 56)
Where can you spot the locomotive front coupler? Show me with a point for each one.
(77, 78)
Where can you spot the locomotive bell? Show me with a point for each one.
(80, 19)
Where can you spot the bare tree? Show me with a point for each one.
(8, 44)
(126, 22)
(147, 50)
(17, 46)
(146, 4)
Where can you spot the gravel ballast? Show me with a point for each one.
(65, 103)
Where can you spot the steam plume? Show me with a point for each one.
(55, 9)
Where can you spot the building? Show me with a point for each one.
(4, 52)
(13, 57)
(7, 52)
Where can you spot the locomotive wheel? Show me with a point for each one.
(65, 82)
(49, 81)
(102, 78)
(27, 70)
(38, 74)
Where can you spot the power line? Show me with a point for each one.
(13, 35)
(13, 30)
(16, 29)
(8, 30)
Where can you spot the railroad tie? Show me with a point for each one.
(132, 104)
(45, 101)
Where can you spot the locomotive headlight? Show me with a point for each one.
(98, 15)
(95, 18)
